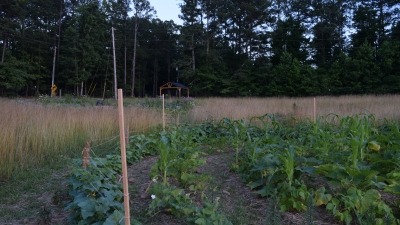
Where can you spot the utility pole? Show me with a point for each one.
(115, 65)
(54, 70)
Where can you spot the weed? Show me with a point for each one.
(273, 216)
(44, 216)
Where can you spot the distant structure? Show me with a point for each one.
(178, 87)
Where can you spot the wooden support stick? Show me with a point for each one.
(123, 157)
(315, 111)
(163, 112)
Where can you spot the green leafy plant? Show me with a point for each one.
(287, 158)
(393, 180)
(292, 196)
(345, 155)
(321, 197)
(238, 134)
(209, 215)
(179, 157)
(346, 176)
(175, 201)
(170, 199)
(367, 207)
(140, 146)
(96, 195)
(359, 129)
(165, 153)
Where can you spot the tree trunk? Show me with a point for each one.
(125, 68)
(4, 50)
(104, 89)
(125, 55)
(169, 68)
(155, 78)
(193, 56)
(208, 38)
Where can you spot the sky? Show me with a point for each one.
(167, 9)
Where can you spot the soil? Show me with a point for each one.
(49, 204)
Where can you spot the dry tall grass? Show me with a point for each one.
(31, 132)
(387, 106)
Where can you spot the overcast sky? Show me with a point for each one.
(167, 9)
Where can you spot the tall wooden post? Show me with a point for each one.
(163, 112)
(53, 71)
(315, 111)
(123, 156)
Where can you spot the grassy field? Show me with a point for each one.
(33, 133)
(36, 131)
(387, 106)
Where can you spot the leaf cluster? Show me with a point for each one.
(96, 195)
(327, 162)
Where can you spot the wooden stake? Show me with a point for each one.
(123, 157)
(315, 112)
(163, 112)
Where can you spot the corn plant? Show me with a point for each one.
(180, 157)
(165, 155)
(288, 162)
(359, 130)
(239, 134)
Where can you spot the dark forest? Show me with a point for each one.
(223, 47)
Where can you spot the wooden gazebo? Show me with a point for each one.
(177, 86)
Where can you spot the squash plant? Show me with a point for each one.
(96, 195)
(366, 206)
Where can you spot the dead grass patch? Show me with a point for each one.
(385, 106)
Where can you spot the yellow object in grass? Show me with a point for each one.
(374, 146)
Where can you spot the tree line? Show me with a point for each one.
(223, 47)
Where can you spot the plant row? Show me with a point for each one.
(342, 164)
(348, 166)
(96, 191)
